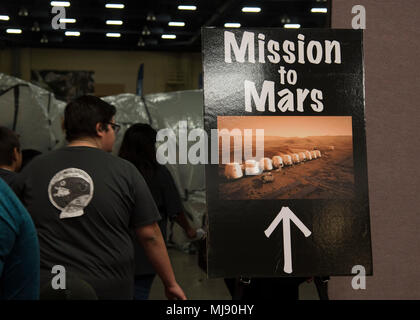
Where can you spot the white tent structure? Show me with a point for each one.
(287, 160)
(31, 112)
(302, 156)
(265, 164)
(295, 158)
(233, 170)
(277, 162)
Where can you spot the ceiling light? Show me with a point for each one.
(113, 35)
(151, 17)
(60, 4)
(4, 18)
(319, 10)
(145, 31)
(44, 39)
(16, 31)
(285, 19)
(67, 20)
(35, 27)
(168, 36)
(176, 24)
(23, 12)
(114, 22)
(141, 43)
(232, 25)
(114, 6)
(187, 8)
(251, 9)
(72, 33)
(292, 26)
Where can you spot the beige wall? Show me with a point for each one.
(114, 69)
(392, 69)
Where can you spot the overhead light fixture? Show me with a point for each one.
(319, 10)
(251, 9)
(114, 22)
(141, 42)
(113, 35)
(15, 31)
(232, 25)
(67, 20)
(114, 6)
(168, 36)
(72, 33)
(145, 31)
(187, 8)
(285, 19)
(35, 27)
(44, 39)
(176, 24)
(23, 12)
(151, 17)
(60, 4)
(292, 25)
(4, 18)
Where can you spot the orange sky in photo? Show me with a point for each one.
(285, 126)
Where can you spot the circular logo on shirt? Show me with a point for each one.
(70, 191)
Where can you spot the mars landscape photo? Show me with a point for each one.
(304, 158)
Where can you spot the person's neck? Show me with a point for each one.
(86, 142)
(8, 168)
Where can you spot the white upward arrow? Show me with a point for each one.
(286, 215)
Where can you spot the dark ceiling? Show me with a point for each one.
(34, 18)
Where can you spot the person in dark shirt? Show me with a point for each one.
(28, 155)
(19, 249)
(138, 147)
(10, 154)
(84, 202)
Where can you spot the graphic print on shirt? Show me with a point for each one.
(70, 191)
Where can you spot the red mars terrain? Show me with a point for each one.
(329, 177)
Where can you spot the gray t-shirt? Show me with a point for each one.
(83, 202)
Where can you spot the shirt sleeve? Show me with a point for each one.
(145, 210)
(171, 198)
(8, 226)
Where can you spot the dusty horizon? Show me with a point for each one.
(290, 126)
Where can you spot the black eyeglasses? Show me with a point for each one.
(115, 127)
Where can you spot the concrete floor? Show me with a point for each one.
(196, 286)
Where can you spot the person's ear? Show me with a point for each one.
(17, 158)
(100, 129)
(15, 154)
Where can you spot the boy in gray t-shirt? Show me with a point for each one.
(84, 202)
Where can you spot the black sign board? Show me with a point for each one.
(287, 189)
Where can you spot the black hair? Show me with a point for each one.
(8, 142)
(82, 114)
(138, 147)
(28, 155)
